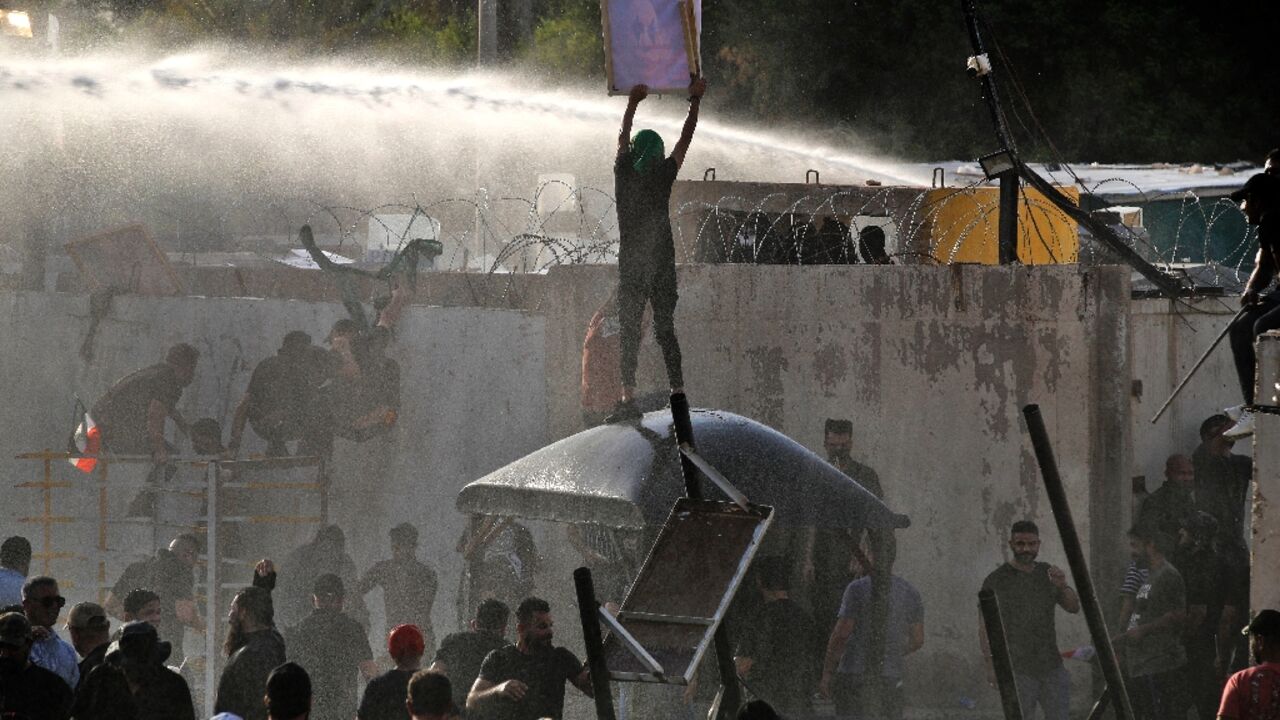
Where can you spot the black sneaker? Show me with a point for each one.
(624, 411)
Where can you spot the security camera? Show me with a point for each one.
(978, 65)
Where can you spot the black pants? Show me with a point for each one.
(659, 290)
(1256, 320)
(1158, 697)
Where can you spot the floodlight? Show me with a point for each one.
(998, 163)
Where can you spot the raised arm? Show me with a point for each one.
(638, 93)
(696, 89)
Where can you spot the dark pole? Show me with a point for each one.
(587, 609)
(732, 699)
(885, 547)
(1008, 228)
(1104, 700)
(684, 436)
(1076, 560)
(1000, 660)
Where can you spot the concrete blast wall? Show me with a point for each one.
(471, 391)
(932, 364)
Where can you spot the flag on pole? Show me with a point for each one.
(86, 442)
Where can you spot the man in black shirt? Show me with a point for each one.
(1029, 593)
(384, 697)
(829, 553)
(408, 585)
(1258, 199)
(1167, 507)
(283, 401)
(132, 413)
(334, 649)
(643, 177)
(158, 692)
(526, 681)
(170, 576)
(253, 647)
(27, 690)
(779, 650)
(90, 635)
(326, 553)
(1222, 479)
(461, 654)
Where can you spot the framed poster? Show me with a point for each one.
(126, 259)
(651, 42)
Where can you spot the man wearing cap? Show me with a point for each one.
(1222, 479)
(334, 648)
(384, 697)
(1257, 199)
(282, 402)
(27, 690)
(170, 575)
(41, 603)
(1254, 693)
(90, 635)
(408, 585)
(461, 654)
(15, 563)
(131, 415)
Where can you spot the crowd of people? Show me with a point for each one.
(312, 668)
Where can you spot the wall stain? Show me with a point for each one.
(766, 390)
(830, 368)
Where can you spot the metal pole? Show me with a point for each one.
(692, 488)
(1008, 236)
(211, 590)
(1196, 367)
(588, 606)
(1104, 700)
(1008, 228)
(684, 436)
(1000, 660)
(103, 512)
(989, 92)
(1076, 560)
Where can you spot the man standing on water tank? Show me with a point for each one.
(643, 176)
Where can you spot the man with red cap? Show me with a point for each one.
(385, 695)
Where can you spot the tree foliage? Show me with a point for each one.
(1105, 80)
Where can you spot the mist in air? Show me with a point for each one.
(216, 144)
